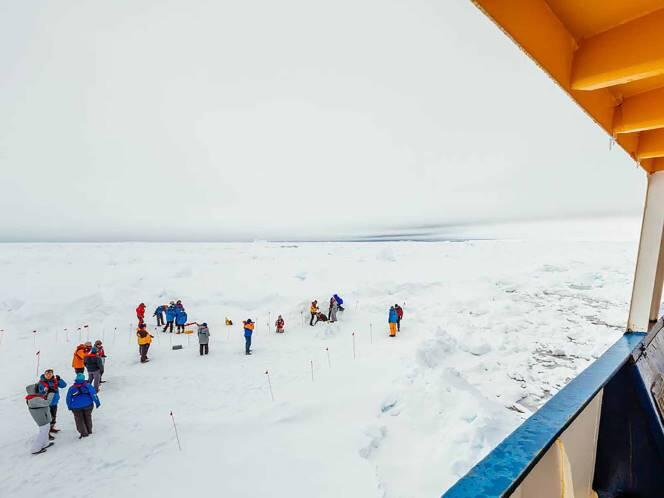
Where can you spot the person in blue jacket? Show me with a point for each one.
(170, 317)
(392, 319)
(51, 383)
(339, 301)
(159, 313)
(81, 399)
(180, 319)
(248, 331)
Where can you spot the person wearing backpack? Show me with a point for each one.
(51, 383)
(144, 340)
(95, 367)
(203, 336)
(81, 399)
(39, 407)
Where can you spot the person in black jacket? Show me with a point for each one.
(95, 367)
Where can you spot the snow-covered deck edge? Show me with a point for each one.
(500, 472)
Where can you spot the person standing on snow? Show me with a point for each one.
(51, 383)
(333, 310)
(248, 331)
(95, 367)
(81, 399)
(78, 363)
(180, 319)
(203, 336)
(144, 341)
(313, 309)
(280, 324)
(399, 316)
(39, 407)
(102, 354)
(159, 313)
(392, 320)
(170, 317)
(140, 313)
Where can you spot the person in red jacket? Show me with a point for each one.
(399, 316)
(140, 313)
(280, 324)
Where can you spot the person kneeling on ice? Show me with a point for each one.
(339, 301)
(280, 324)
(392, 320)
(81, 399)
(95, 367)
(203, 336)
(248, 330)
(320, 317)
(51, 383)
(39, 407)
(144, 340)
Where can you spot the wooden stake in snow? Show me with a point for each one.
(269, 320)
(269, 384)
(115, 334)
(302, 315)
(312, 370)
(176, 431)
(34, 338)
(66, 335)
(80, 338)
(353, 345)
(38, 356)
(87, 332)
(329, 363)
(371, 333)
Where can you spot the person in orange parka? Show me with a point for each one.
(79, 359)
(140, 313)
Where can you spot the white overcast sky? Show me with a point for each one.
(218, 120)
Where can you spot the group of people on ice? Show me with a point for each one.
(336, 305)
(167, 315)
(43, 397)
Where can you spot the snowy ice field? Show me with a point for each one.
(491, 330)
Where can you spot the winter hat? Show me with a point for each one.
(80, 377)
(141, 325)
(203, 324)
(248, 320)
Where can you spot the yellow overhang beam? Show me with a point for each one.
(651, 144)
(632, 51)
(641, 112)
